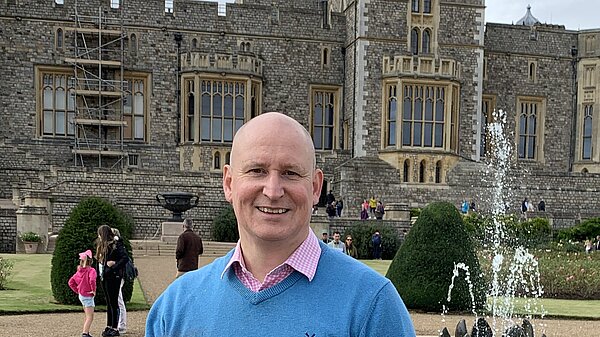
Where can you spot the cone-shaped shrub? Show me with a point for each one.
(423, 267)
(224, 226)
(79, 234)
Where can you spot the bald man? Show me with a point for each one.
(274, 282)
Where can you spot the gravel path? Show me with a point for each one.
(157, 272)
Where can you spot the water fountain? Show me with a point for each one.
(511, 278)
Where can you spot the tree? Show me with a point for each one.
(423, 267)
(79, 234)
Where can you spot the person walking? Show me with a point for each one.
(112, 257)
(377, 245)
(267, 285)
(372, 207)
(83, 282)
(339, 206)
(189, 247)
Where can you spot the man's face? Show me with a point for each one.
(336, 238)
(271, 181)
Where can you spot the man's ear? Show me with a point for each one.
(317, 185)
(227, 182)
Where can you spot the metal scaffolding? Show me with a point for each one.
(97, 59)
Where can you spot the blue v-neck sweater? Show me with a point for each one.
(345, 298)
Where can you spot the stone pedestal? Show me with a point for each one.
(171, 231)
(33, 216)
(319, 224)
(397, 211)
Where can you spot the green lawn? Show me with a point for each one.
(553, 307)
(29, 291)
(29, 288)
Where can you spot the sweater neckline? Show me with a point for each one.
(263, 295)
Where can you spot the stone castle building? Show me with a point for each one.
(127, 99)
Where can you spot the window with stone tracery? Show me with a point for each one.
(325, 105)
(530, 117)
(135, 108)
(57, 97)
(213, 109)
(588, 118)
(420, 115)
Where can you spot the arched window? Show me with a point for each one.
(191, 108)
(227, 158)
(422, 167)
(391, 116)
(425, 48)
(414, 41)
(194, 43)
(133, 45)
(438, 172)
(532, 72)
(59, 38)
(325, 56)
(217, 160)
(406, 171)
(586, 153)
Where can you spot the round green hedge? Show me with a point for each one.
(588, 229)
(361, 238)
(423, 267)
(224, 226)
(79, 234)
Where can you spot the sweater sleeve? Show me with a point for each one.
(180, 247)
(73, 283)
(92, 278)
(388, 315)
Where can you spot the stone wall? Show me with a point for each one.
(288, 37)
(8, 230)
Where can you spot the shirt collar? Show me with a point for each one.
(304, 259)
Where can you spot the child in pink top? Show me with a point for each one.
(83, 282)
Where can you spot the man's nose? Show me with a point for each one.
(273, 187)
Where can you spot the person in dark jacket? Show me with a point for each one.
(112, 258)
(189, 246)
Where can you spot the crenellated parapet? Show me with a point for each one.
(218, 62)
(403, 65)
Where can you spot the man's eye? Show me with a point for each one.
(290, 173)
(256, 170)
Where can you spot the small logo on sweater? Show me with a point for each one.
(307, 335)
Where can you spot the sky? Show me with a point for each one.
(573, 14)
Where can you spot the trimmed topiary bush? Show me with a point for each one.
(423, 267)
(361, 237)
(224, 226)
(79, 234)
(588, 229)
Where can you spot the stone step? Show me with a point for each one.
(159, 248)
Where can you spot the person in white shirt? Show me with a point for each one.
(336, 243)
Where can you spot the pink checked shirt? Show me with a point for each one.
(304, 259)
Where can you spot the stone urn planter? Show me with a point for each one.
(177, 202)
(31, 242)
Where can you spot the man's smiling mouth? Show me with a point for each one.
(272, 210)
